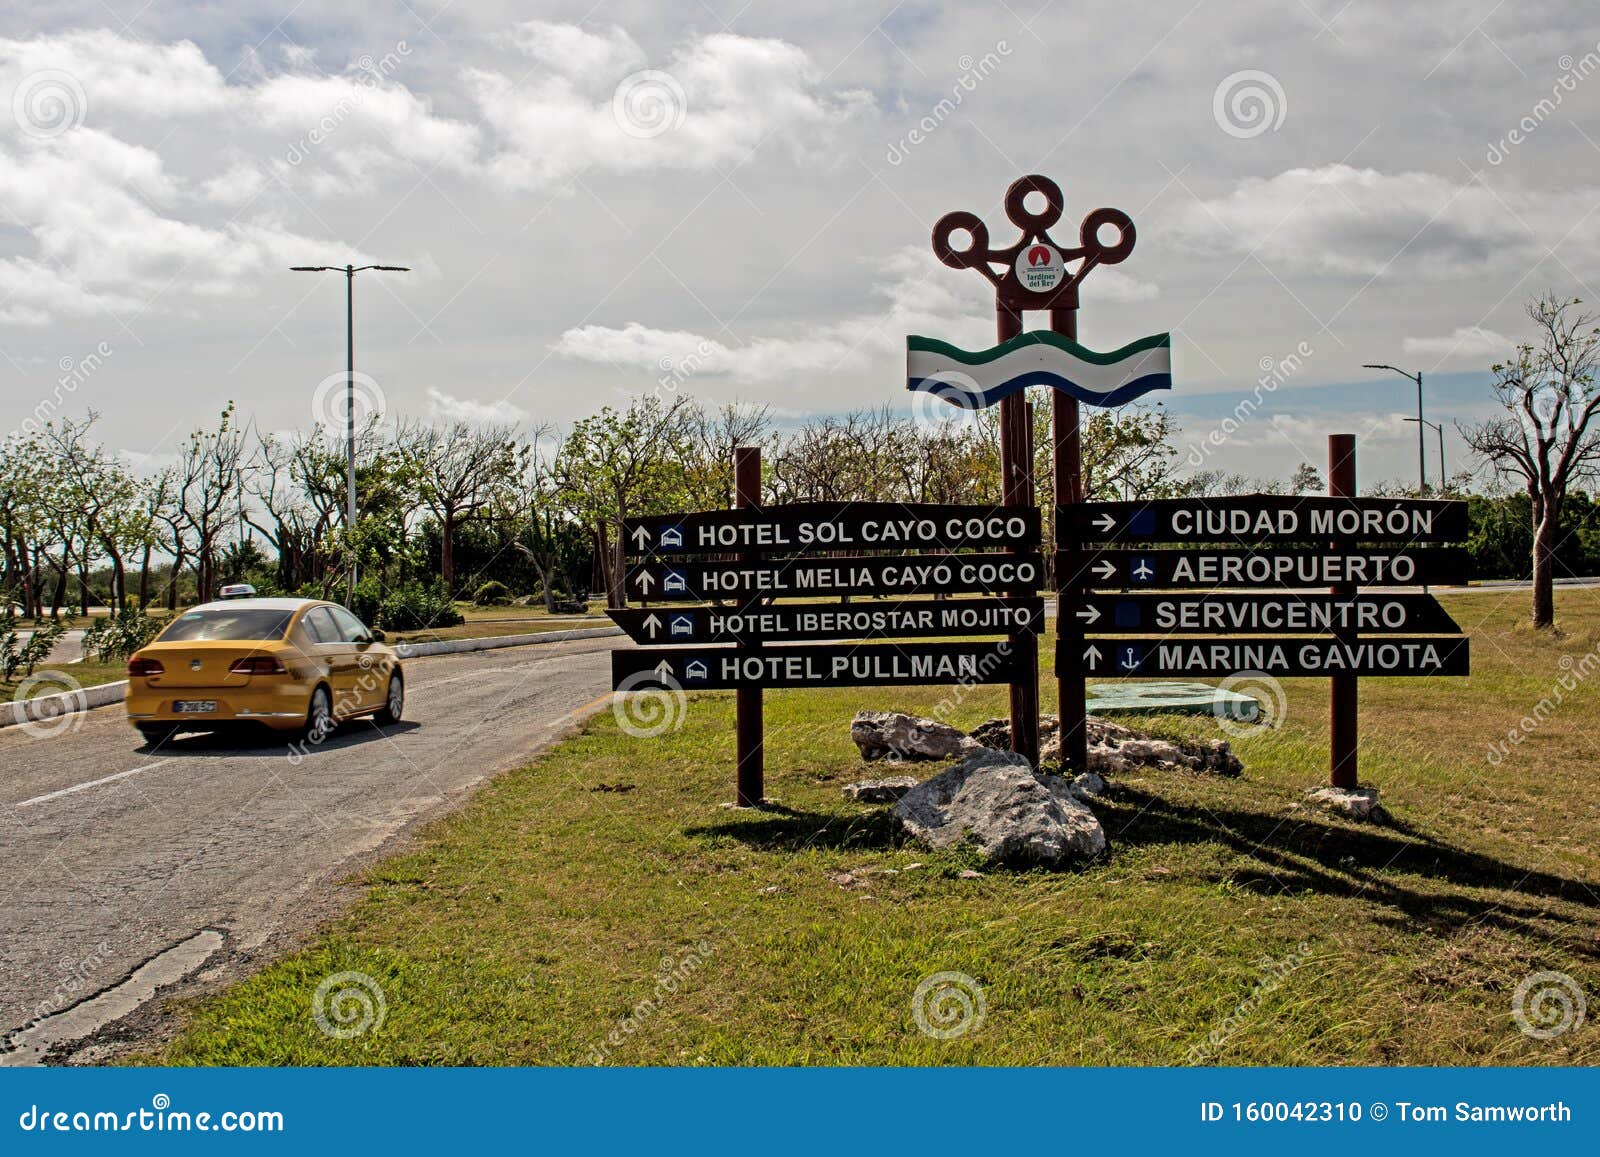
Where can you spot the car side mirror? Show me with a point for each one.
(376, 636)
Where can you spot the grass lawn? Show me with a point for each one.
(88, 673)
(532, 927)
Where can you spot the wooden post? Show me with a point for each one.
(1016, 468)
(748, 729)
(1342, 691)
(1067, 467)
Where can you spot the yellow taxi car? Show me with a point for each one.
(289, 664)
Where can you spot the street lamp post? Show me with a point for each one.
(1422, 468)
(1437, 429)
(349, 272)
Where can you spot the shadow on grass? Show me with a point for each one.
(1298, 852)
(776, 828)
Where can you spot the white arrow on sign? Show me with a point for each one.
(1104, 569)
(1090, 614)
(1104, 522)
(653, 625)
(640, 537)
(664, 669)
(1091, 655)
(645, 581)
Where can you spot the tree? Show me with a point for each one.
(459, 472)
(1547, 438)
(210, 478)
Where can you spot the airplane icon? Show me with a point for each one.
(672, 538)
(695, 670)
(1141, 570)
(675, 582)
(682, 625)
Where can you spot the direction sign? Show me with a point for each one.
(1284, 658)
(841, 526)
(1305, 567)
(702, 580)
(839, 665)
(1289, 613)
(796, 621)
(1267, 518)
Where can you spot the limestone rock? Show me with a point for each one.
(880, 790)
(898, 736)
(1355, 803)
(1114, 748)
(994, 799)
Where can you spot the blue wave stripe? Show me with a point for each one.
(1122, 395)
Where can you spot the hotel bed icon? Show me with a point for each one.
(672, 538)
(675, 582)
(695, 670)
(681, 625)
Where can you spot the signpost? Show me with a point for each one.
(742, 560)
(1233, 548)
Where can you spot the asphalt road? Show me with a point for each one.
(127, 869)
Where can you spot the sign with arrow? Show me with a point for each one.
(834, 526)
(1283, 658)
(783, 622)
(840, 665)
(1267, 518)
(1305, 567)
(1289, 613)
(701, 580)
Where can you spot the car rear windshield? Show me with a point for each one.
(245, 623)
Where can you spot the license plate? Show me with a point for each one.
(194, 706)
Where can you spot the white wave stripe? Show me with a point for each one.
(959, 376)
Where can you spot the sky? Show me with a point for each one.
(734, 201)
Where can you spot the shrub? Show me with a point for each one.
(18, 656)
(118, 635)
(415, 607)
(492, 594)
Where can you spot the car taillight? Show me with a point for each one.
(258, 665)
(139, 668)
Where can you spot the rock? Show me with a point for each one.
(969, 874)
(1355, 803)
(1114, 748)
(881, 790)
(994, 799)
(894, 734)
(1086, 786)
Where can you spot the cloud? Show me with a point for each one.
(1362, 222)
(117, 74)
(443, 407)
(591, 105)
(1467, 343)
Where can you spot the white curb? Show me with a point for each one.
(105, 694)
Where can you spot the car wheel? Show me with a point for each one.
(319, 715)
(394, 701)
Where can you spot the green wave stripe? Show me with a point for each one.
(1035, 337)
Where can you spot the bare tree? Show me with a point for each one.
(461, 470)
(1547, 438)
